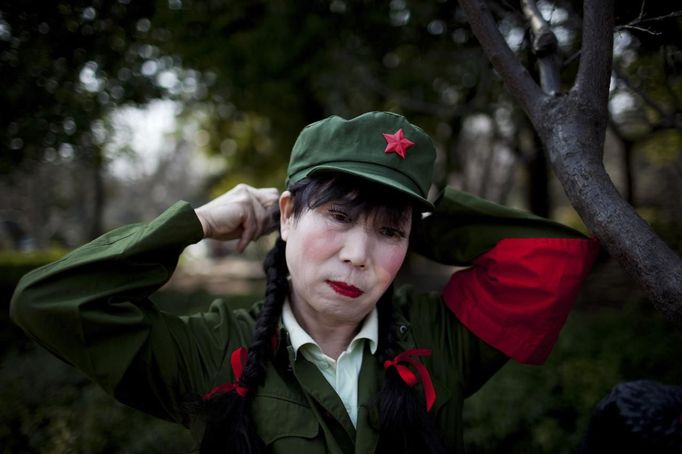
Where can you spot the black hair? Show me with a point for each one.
(353, 194)
(405, 425)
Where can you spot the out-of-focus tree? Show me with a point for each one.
(64, 66)
(277, 66)
(646, 111)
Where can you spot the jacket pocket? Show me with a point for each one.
(286, 426)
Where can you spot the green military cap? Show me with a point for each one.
(382, 147)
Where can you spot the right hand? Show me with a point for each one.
(242, 212)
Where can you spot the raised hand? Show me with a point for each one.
(242, 212)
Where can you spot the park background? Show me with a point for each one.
(110, 111)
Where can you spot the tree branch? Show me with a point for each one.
(596, 54)
(642, 20)
(572, 128)
(544, 47)
(512, 72)
(626, 236)
(635, 23)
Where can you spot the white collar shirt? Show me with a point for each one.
(342, 373)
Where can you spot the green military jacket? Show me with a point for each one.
(92, 309)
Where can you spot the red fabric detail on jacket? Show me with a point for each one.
(238, 362)
(409, 377)
(517, 296)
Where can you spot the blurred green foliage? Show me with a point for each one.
(65, 65)
(664, 147)
(546, 409)
(255, 72)
(48, 407)
(14, 264)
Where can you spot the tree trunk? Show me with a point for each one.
(574, 146)
(572, 127)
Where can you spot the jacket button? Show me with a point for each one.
(403, 329)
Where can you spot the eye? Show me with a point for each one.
(339, 215)
(392, 233)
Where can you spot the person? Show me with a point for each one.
(333, 359)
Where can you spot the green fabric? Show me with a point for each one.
(357, 147)
(92, 309)
(464, 226)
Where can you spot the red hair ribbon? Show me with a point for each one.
(409, 377)
(238, 360)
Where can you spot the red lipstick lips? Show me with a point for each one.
(345, 289)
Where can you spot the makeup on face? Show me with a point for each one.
(341, 262)
(344, 289)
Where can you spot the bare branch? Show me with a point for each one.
(634, 24)
(544, 48)
(641, 10)
(642, 20)
(594, 71)
(513, 73)
(639, 29)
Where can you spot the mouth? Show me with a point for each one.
(345, 289)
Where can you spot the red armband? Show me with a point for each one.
(516, 297)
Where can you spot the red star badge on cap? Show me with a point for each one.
(397, 143)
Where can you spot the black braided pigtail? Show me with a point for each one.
(405, 425)
(276, 292)
(229, 425)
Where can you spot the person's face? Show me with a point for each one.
(340, 266)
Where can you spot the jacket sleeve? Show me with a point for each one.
(524, 272)
(92, 309)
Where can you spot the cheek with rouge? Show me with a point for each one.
(395, 261)
(318, 245)
(390, 262)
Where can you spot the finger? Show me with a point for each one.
(261, 217)
(270, 224)
(271, 221)
(263, 200)
(267, 196)
(249, 226)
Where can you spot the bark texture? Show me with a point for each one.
(572, 127)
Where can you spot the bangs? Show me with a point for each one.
(355, 195)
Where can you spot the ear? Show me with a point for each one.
(286, 214)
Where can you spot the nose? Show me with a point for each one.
(355, 250)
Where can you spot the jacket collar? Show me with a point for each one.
(298, 337)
